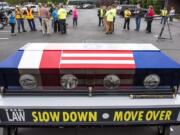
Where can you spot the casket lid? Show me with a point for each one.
(89, 46)
(88, 56)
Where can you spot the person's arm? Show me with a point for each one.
(65, 12)
(98, 13)
(48, 14)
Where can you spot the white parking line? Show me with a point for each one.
(5, 31)
(4, 38)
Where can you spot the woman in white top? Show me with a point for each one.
(171, 14)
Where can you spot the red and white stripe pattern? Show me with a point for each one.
(49, 65)
(98, 64)
(97, 60)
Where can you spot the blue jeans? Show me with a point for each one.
(62, 23)
(138, 23)
(20, 23)
(32, 24)
(164, 19)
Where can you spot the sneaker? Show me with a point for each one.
(13, 34)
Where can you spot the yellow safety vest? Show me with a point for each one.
(114, 12)
(164, 12)
(127, 14)
(29, 14)
(39, 12)
(18, 14)
(101, 12)
(62, 13)
(110, 16)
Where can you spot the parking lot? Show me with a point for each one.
(89, 32)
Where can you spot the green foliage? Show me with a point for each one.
(150, 2)
(15, 2)
(53, 1)
(143, 3)
(155, 2)
(105, 2)
(133, 2)
(157, 6)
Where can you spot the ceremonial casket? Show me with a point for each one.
(83, 68)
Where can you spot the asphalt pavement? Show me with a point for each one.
(88, 31)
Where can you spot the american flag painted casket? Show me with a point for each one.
(76, 67)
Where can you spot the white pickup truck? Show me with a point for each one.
(4, 5)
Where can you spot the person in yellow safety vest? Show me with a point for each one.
(109, 18)
(164, 14)
(100, 15)
(30, 19)
(62, 14)
(127, 15)
(39, 15)
(104, 18)
(114, 12)
(19, 18)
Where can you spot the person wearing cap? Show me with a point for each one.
(62, 14)
(19, 19)
(30, 18)
(127, 15)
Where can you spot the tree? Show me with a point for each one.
(149, 2)
(14, 2)
(105, 2)
(133, 2)
(143, 3)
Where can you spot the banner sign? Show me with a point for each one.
(88, 116)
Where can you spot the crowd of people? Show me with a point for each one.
(52, 18)
(107, 17)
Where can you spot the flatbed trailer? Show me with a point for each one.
(84, 84)
(58, 111)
